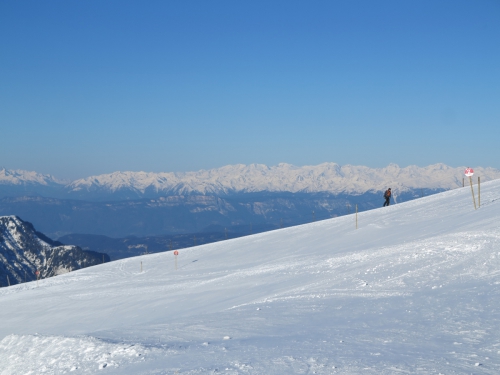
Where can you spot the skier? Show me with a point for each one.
(387, 196)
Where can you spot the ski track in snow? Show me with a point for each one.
(414, 290)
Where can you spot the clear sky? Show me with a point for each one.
(91, 87)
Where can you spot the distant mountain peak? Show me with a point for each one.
(21, 177)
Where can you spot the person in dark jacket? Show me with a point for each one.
(387, 196)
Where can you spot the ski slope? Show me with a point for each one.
(414, 290)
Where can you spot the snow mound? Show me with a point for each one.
(37, 354)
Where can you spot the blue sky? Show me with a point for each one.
(91, 87)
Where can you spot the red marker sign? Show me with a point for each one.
(37, 272)
(469, 172)
(176, 252)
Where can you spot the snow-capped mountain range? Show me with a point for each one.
(23, 251)
(327, 177)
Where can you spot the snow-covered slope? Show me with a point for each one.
(23, 251)
(415, 289)
(327, 177)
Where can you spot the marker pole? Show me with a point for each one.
(175, 256)
(479, 190)
(472, 191)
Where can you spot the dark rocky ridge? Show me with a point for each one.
(23, 251)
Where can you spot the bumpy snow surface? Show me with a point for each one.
(414, 290)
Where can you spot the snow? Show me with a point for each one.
(414, 290)
(86, 354)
